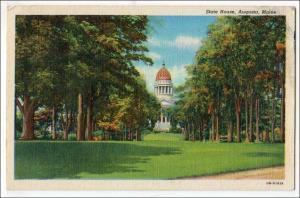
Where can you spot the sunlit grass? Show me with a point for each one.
(159, 156)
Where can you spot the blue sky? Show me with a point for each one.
(174, 40)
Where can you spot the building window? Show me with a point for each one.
(163, 119)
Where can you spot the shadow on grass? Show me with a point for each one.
(50, 160)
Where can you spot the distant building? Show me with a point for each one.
(163, 89)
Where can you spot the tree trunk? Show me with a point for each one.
(246, 118)
(66, 123)
(93, 125)
(53, 132)
(217, 117)
(84, 125)
(200, 130)
(273, 119)
(237, 114)
(90, 117)
(257, 118)
(230, 131)
(66, 133)
(186, 137)
(128, 134)
(72, 121)
(66, 129)
(28, 118)
(80, 124)
(217, 127)
(188, 130)
(194, 130)
(282, 114)
(250, 119)
(213, 126)
(267, 136)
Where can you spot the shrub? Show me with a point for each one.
(72, 137)
(98, 133)
(18, 135)
(146, 131)
(206, 134)
(175, 130)
(42, 135)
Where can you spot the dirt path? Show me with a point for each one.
(263, 173)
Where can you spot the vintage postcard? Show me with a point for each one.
(140, 97)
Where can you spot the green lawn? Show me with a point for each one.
(159, 156)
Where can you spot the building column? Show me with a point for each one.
(161, 117)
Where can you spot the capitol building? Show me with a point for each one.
(163, 89)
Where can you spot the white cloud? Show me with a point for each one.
(155, 56)
(187, 42)
(181, 42)
(178, 74)
(154, 42)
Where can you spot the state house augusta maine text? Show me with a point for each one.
(213, 11)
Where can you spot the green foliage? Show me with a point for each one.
(58, 57)
(42, 135)
(98, 133)
(18, 124)
(146, 131)
(234, 64)
(72, 137)
(175, 130)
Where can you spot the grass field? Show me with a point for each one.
(159, 156)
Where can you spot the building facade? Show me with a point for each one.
(163, 89)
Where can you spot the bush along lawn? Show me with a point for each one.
(159, 156)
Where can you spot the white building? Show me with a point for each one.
(163, 89)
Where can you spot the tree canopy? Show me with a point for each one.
(73, 65)
(235, 69)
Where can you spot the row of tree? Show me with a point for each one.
(79, 71)
(235, 88)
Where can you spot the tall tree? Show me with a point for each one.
(33, 75)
